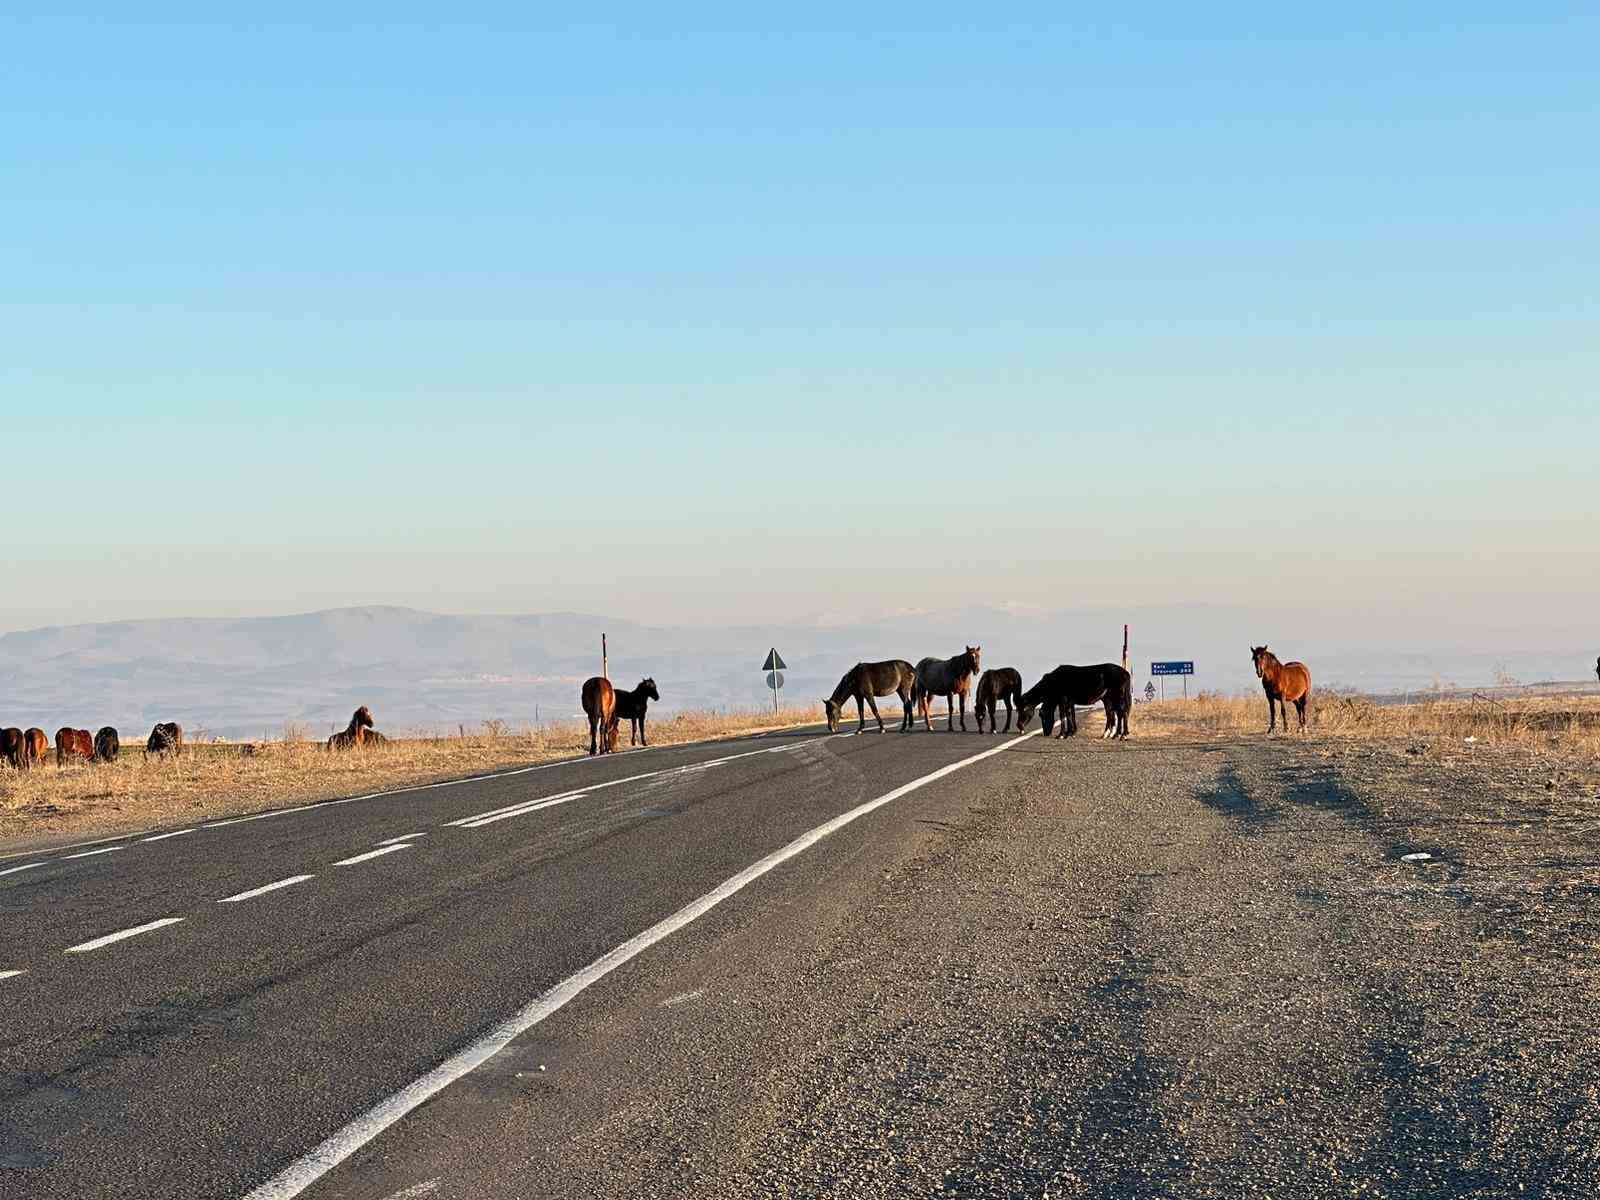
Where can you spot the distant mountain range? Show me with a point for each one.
(249, 677)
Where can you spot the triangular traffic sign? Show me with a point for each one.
(774, 661)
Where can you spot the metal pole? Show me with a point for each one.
(1124, 647)
(605, 666)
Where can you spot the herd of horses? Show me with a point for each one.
(1059, 693)
(24, 749)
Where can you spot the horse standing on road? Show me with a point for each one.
(631, 708)
(865, 681)
(947, 677)
(1000, 683)
(1283, 682)
(1066, 687)
(600, 706)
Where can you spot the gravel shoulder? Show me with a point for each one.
(1156, 969)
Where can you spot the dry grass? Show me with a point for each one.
(210, 781)
(1559, 727)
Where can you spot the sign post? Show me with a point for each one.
(1161, 670)
(774, 667)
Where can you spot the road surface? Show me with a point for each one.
(811, 965)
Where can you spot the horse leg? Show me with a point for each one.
(861, 715)
(592, 724)
(872, 702)
(1300, 708)
(963, 696)
(643, 741)
(1272, 714)
(1008, 716)
(905, 706)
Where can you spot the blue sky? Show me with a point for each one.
(711, 314)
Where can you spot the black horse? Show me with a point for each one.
(1063, 689)
(997, 684)
(863, 682)
(631, 705)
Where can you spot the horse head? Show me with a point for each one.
(974, 653)
(833, 710)
(1260, 656)
(648, 688)
(362, 717)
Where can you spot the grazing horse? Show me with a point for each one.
(1282, 681)
(1066, 687)
(107, 745)
(866, 681)
(1000, 683)
(35, 745)
(631, 706)
(947, 677)
(11, 746)
(73, 743)
(165, 737)
(354, 735)
(600, 706)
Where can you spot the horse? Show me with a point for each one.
(1066, 687)
(1282, 681)
(1000, 683)
(11, 746)
(164, 737)
(631, 706)
(73, 743)
(107, 745)
(865, 681)
(354, 735)
(600, 706)
(35, 745)
(947, 677)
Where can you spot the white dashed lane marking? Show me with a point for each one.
(87, 853)
(378, 853)
(23, 867)
(262, 891)
(11, 974)
(123, 934)
(404, 837)
(515, 810)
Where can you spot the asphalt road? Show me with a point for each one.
(1061, 969)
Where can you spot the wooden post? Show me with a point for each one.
(605, 666)
(1124, 647)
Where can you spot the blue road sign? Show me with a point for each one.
(1172, 668)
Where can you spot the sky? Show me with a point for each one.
(708, 314)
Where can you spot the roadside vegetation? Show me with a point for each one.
(222, 779)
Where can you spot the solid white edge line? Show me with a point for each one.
(161, 837)
(551, 802)
(121, 934)
(88, 853)
(312, 1166)
(23, 867)
(12, 974)
(262, 891)
(378, 853)
(404, 837)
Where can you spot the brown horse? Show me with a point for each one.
(107, 745)
(165, 737)
(35, 745)
(999, 683)
(73, 743)
(600, 706)
(354, 735)
(11, 746)
(947, 677)
(1282, 681)
(865, 681)
(631, 708)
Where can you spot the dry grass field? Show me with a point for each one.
(220, 780)
(1550, 739)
